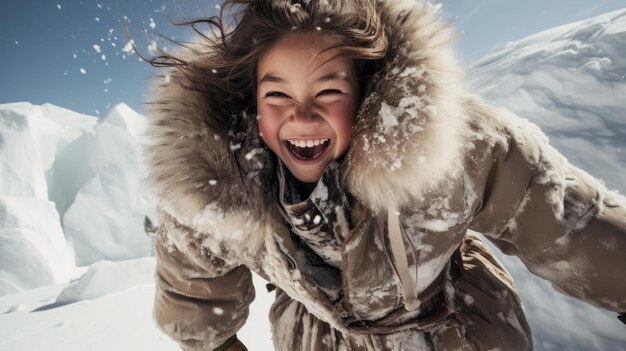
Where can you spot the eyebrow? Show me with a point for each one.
(271, 77)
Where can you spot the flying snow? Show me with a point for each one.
(129, 46)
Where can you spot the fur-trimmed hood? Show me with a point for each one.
(406, 140)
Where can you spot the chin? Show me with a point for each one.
(308, 178)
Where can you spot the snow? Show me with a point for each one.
(570, 81)
(389, 115)
(106, 277)
(33, 249)
(114, 322)
(75, 270)
(105, 218)
(107, 307)
(67, 175)
(21, 164)
(129, 46)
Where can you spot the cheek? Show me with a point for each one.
(268, 126)
(343, 125)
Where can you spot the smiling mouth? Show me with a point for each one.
(307, 152)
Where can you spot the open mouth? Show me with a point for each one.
(307, 150)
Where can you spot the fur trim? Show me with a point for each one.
(407, 137)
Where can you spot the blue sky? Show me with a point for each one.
(71, 53)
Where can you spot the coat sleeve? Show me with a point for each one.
(563, 224)
(201, 300)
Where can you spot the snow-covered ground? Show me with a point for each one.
(107, 307)
(74, 271)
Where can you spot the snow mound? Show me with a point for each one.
(571, 81)
(69, 177)
(20, 157)
(106, 277)
(105, 218)
(123, 116)
(33, 250)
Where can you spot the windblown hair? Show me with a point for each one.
(228, 58)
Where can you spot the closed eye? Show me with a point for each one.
(329, 92)
(275, 94)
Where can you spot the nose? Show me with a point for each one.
(303, 111)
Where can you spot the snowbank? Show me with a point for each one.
(68, 177)
(33, 249)
(106, 277)
(105, 218)
(571, 81)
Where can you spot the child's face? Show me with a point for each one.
(298, 104)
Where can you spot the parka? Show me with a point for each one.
(429, 166)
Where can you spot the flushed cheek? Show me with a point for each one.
(268, 128)
(342, 126)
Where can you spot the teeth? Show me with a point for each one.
(307, 143)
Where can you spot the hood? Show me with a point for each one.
(406, 139)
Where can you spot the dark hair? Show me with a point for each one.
(228, 59)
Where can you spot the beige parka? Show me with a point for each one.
(428, 165)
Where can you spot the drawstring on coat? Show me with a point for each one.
(396, 238)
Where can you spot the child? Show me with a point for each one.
(329, 146)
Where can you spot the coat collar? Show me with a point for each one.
(407, 135)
